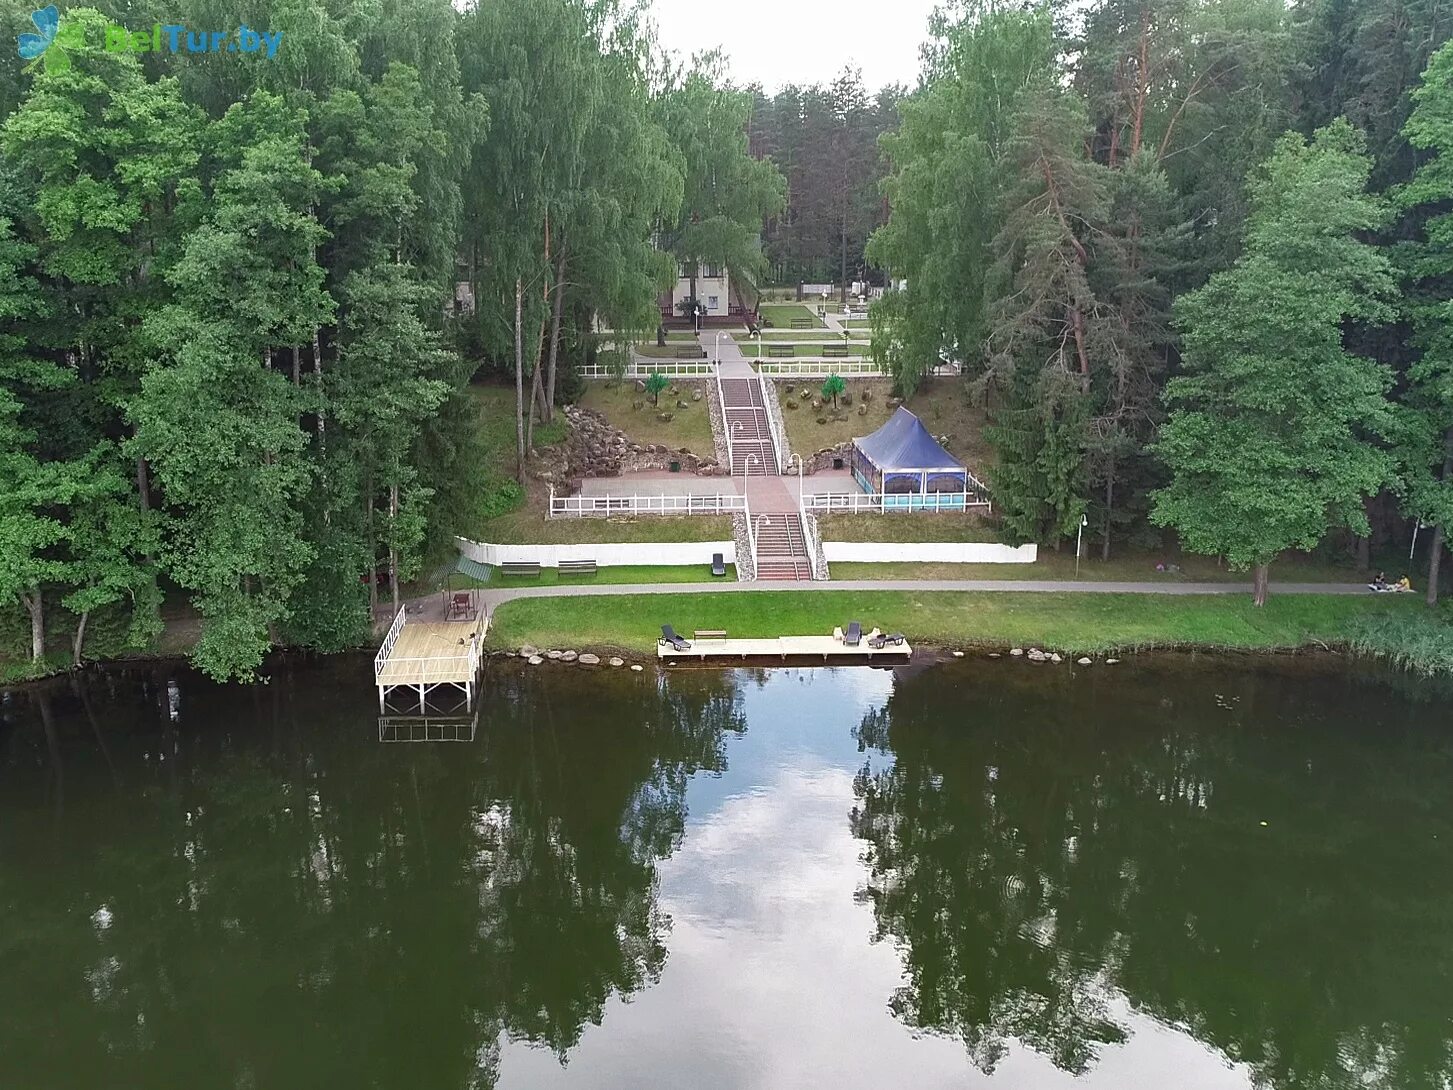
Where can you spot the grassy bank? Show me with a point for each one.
(1132, 568)
(637, 574)
(1067, 622)
(689, 427)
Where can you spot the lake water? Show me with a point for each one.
(1171, 873)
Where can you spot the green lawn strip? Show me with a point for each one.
(529, 527)
(653, 351)
(636, 574)
(1062, 621)
(780, 315)
(1131, 569)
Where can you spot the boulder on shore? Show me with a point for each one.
(588, 659)
(568, 656)
(617, 661)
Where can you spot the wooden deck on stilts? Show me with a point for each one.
(424, 655)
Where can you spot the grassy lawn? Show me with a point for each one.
(1066, 622)
(655, 352)
(908, 526)
(689, 427)
(780, 315)
(788, 335)
(638, 574)
(529, 526)
(1127, 569)
(854, 349)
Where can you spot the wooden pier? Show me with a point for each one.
(785, 647)
(425, 655)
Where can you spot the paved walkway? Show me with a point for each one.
(733, 363)
(494, 597)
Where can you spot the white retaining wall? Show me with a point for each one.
(606, 556)
(932, 552)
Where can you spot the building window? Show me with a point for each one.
(711, 303)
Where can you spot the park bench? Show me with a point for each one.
(577, 567)
(691, 352)
(710, 634)
(834, 350)
(802, 323)
(780, 351)
(520, 567)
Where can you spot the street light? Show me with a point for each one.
(798, 459)
(1079, 538)
(718, 346)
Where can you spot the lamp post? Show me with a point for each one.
(756, 335)
(798, 459)
(718, 346)
(1079, 540)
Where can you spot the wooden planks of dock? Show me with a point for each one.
(423, 655)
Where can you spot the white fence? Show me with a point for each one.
(601, 506)
(612, 555)
(819, 367)
(640, 367)
(928, 552)
(858, 502)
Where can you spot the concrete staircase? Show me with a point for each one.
(753, 454)
(781, 547)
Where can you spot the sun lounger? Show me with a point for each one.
(854, 635)
(895, 639)
(718, 564)
(669, 636)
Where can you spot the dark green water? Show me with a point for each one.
(1171, 874)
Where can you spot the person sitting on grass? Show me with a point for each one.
(1404, 584)
(1379, 582)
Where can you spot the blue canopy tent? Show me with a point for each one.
(908, 467)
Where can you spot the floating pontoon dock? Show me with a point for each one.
(828, 647)
(424, 655)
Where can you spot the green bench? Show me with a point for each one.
(691, 352)
(520, 567)
(577, 567)
(803, 323)
(780, 351)
(834, 350)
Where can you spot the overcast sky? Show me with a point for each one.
(773, 42)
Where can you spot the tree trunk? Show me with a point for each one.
(1435, 561)
(34, 603)
(393, 553)
(372, 545)
(1259, 583)
(1109, 509)
(143, 485)
(520, 381)
(297, 365)
(537, 401)
(80, 639)
(556, 307)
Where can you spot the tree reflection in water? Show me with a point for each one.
(1258, 875)
(264, 896)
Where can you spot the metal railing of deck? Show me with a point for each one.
(469, 657)
(601, 506)
(389, 641)
(895, 501)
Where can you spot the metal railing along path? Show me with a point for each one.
(600, 506)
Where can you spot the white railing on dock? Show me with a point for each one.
(389, 641)
(855, 502)
(600, 506)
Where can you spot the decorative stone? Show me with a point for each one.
(1055, 657)
(867, 394)
(894, 402)
(995, 655)
(1111, 662)
(641, 385)
(847, 397)
(791, 404)
(958, 654)
(862, 410)
(1016, 651)
(588, 659)
(683, 405)
(695, 395)
(526, 651)
(617, 661)
(636, 667)
(553, 654)
(665, 418)
(817, 403)
(638, 405)
(1083, 661)
(568, 656)
(535, 660)
(822, 420)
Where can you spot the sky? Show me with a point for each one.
(773, 42)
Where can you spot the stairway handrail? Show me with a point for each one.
(726, 424)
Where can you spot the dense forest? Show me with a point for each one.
(1191, 256)
(242, 296)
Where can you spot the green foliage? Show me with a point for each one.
(655, 383)
(833, 388)
(1268, 442)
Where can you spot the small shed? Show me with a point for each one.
(909, 468)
